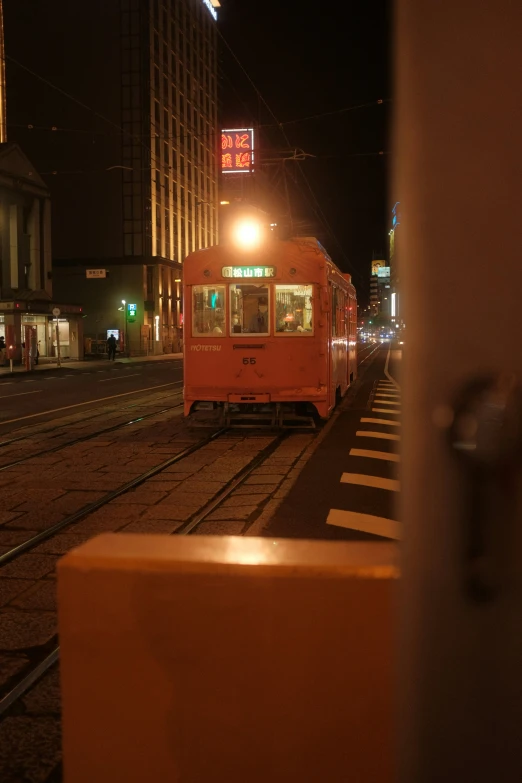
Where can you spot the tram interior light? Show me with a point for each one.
(247, 234)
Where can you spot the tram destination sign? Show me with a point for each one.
(248, 271)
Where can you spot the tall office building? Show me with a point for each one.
(116, 105)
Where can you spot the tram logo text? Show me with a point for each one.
(200, 347)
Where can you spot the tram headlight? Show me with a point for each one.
(247, 234)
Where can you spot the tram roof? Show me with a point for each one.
(274, 251)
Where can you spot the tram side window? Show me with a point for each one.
(208, 310)
(294, 309)
(249, 309)
(335, 305)
(342, 314)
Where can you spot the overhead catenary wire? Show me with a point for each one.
(324, 114)
(314, 205)
(193, 132)
(268, 162)
(317, 209)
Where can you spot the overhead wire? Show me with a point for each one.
(193, 133)
(322, 115)
(318, 210)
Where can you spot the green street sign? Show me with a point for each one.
(131, 312)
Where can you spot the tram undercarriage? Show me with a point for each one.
(272, 415)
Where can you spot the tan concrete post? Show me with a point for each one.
(226, 659)
(458, 178)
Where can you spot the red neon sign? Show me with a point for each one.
(237, 151)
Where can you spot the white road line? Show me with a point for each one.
(381, 421)
(386, 402)
(20, 394)
(382, 435)
(7, 383)
(385, 394)
(366, 523)
(31, 380)
(387, 374)
(123, 378)
(385, 455)
(376, 482)
(91, 402)
(385, 410)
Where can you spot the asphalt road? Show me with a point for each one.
(350, 481)
(45, 395)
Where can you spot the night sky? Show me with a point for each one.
(306, 60)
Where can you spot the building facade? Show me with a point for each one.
(26, 294)
(380, 289)
(132, 163)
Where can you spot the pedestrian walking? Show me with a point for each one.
(111, 347)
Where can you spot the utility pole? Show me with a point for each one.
(124, 303)
(458, 126)
(56, 313)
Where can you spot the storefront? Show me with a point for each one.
(16, 315)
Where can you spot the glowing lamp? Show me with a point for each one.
(247, 234)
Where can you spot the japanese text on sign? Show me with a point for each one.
(237, 151)
(248, 271)
(131, 312)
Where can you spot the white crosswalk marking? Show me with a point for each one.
(387, 400)
(385, 455)
(382, 435)
(366, 523)
(370, 481)
(381, 421)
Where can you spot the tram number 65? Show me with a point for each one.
(249, 361)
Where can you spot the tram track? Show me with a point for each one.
(91, 436)
(49, 653)
(63, 425)
(85, 511)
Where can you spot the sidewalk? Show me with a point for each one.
(44, 365)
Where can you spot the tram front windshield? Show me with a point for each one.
(293, 305)
(249, 309)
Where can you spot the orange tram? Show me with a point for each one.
(270, 334)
